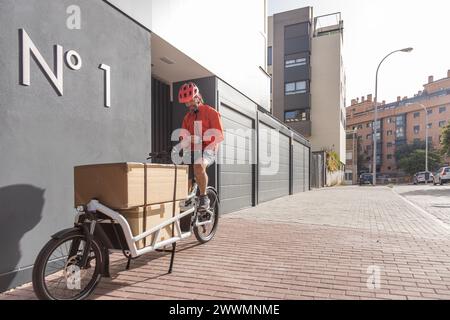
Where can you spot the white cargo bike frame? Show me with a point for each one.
(134, 252)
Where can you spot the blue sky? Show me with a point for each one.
(374, 28)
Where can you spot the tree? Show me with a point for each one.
(405, 150)
(415, 161)
(445, 140)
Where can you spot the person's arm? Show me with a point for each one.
(215, 135)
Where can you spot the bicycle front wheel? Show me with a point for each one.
(58, 273)
(206, 232)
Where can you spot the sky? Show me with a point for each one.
(374, 28)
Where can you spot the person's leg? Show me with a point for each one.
(201, 177)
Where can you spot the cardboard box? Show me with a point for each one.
(155, 215)
(128, 185)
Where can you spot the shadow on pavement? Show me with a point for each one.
(429, 192)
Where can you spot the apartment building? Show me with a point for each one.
(400, 122)
(308, 80)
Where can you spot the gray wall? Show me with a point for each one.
(43, 135)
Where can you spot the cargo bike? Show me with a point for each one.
(72, 263)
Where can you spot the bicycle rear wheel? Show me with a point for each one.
(205, 233)
(58, 274)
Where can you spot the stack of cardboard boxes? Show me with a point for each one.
(145, 194)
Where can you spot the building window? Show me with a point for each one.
(442, 109)
(389, 133)
(416, 114)
(269, 56)
(369, 136)
(295, 87)
(360, 126)
(390, 120)
(389, 156)
(400, 121)
(369, 125)
(429, 111)
(430, 140)
(400, 133)
(296, 116)
(429, 125)
(416, 129)
(389, 144)
(442, 124)
(295, 62)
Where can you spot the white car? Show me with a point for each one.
(423, 177)
(442, 176)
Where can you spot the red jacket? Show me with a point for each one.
(209, 119)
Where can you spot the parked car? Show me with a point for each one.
(442, 176)
(423, 177)
(365, 178)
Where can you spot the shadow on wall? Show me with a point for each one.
(20, 211)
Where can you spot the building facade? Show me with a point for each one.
(308, 78)
(86, 82)
(400, 122)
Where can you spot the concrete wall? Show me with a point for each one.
(229, 38)
(44, 135)
(328, 132)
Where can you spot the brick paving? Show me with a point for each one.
(324, 244)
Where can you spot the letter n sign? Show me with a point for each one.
(27, 48)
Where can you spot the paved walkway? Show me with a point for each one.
(340, 243)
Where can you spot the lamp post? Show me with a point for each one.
(374, 169)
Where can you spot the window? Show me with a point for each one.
(429, 111)
(416, 114)
(296, 116)
(416, 129)
(400, 121)
(369, 136)
(400, 132)
(269, 56)
(442, 109)
(430, 140)
(442, 124)
(429, 125)
(369, 125)
(295, 62)
(360, 126)
(295, 87)
(389, 144)
(389, 156)
(390, 120)
(389, 133)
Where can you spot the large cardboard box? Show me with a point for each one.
(129, 185)
(154, 215)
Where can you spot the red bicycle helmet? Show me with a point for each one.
(188, 92)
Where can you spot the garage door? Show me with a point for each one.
(273, 155)
(236, 175)
(298, 169)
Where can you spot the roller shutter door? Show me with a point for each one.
(298, 169)
(236, 175)
(277, 185)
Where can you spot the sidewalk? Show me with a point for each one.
(340, 243)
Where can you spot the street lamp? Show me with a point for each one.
(374, 169)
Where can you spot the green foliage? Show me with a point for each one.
(406, 149)
(415, 161)
(333, 161)
(445, 140)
